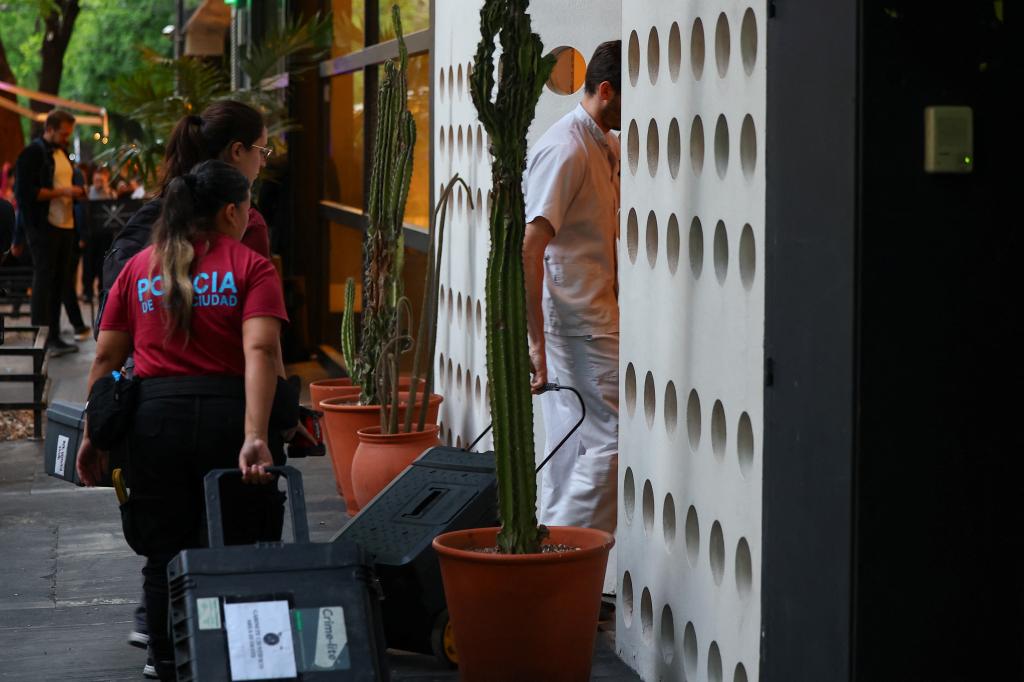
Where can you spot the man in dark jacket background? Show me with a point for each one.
(46, 196)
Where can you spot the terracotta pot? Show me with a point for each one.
(318, 392)
(524, 617)
(343, 417)
(381, 457)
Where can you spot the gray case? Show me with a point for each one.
(64, 426)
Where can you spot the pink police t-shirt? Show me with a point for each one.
(230, 283)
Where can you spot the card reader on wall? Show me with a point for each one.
(948, 139)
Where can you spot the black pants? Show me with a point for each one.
(174, 442)
(53, 278)
(92, 262)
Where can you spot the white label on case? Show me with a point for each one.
(209, 613)
(331, 636)
(62, 455)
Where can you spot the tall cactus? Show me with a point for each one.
(385, 243)
(524, 70)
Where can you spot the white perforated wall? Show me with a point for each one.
(692, 301)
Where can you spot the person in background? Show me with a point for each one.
(569, 260)
(202, 316)
(100, 188)
(46, 194)
(7, 182)
(96, 241)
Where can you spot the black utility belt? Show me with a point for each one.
(171, 387)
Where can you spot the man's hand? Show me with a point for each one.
(253, 460)
(539, 366)
(17, 250)
(90, 463)
(76, 192)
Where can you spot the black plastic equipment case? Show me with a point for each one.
(445, 489)
(310, 577)
(63, 436)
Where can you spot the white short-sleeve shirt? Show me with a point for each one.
(572, 180)
(62, 209)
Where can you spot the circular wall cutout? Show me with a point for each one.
(718, 429)
(450, 373)
(723, 46)
(442, 144)
(569, 73)
(668, 635)
(648, 508)
(692, 419)
(627, 599)
(440, 368)
(697, 145)
(653, 147)
(451, 83)
(721, 252)
(458, 77)
(469, 144)
(748, 147)
(717, 553)
(672, 243)
(628, 495)
(692, 536)
(451, 148)
(697, 49)
(722, 146)
(458, 299)
(744, 569)
(634, 58)
(670, 408)
(674, 52)
(748, 41)
(630, 389)
(690, 652)
(649, 399)
(476, 390)
(479, 310)
(668, 521)
(652, 239)
(440, 80)
(653, 55)
(480, 202)
(673, 148)
(646, 616)
(748, 257)
(633, 147)
(451, 304)
(479, 143)
(741, 673)
(714, 663)
(745, 444)
(632, 236)
(696, 247)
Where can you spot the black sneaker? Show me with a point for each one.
(139, 636)
(57, 347)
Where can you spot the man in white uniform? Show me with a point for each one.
(569, 257)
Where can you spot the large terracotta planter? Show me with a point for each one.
(381, 457)
(343, 417)
(524, 617)
(320, 391)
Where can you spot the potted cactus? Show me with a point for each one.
(383, 255)
(523, 599)
(408, 418)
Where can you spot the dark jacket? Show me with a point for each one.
(134, 237)
(34, 171)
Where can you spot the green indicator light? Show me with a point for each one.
(967, 160)
(230, 2)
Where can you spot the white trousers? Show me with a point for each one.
(579, 484)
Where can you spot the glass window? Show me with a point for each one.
(415, 17)
(343, 181)
(349, 20)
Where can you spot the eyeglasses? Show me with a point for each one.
(265, 151)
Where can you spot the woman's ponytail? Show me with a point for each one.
(190, 206)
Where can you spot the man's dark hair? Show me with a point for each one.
(58, 117)
(605, 65)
